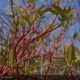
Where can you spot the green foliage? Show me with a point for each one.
(66, 14)
(12, 57)
(57, 10)
(11, 15)
(69, 54)
(40, 12)
(63, 14)
(66, 24)
(77, 60)
(48, 10)
(2, 61)
(29, 42)
(61, 62)
(31, 1)
(27, 67)
(30, 68)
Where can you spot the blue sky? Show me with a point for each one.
(3, 4)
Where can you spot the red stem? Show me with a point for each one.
(43, 33)
(35, 39)
(27, 34)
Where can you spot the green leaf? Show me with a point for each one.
(67, 14)
(77, 50)
(27, 69)
(77, 60)
(2, 61)
(69, 54)
(68, 18)
(48, 10)
(33, 72)
(68, 59)
(11, 15)
(12, 56)
(72, 54)
(31, 1)
(66, 24)
(61, 62)
(40, 12)
(65, 51)
(30, 21)
(21, 21)
(57, 10)
(70, 12)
